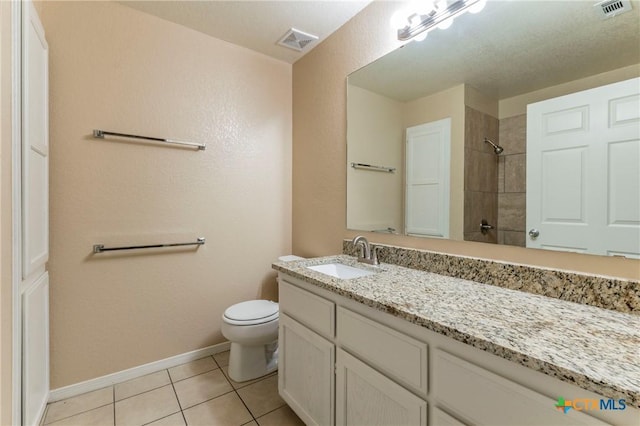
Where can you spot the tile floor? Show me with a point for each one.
(196, 393)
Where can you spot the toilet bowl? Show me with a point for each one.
(252, 329)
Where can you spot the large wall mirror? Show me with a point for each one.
(518, 125)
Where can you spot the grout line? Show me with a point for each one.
(269, 412)
(210, 399)
(177, 399)
(168, 415)
(142, 393)
(78, 413)
(114, 404)
(246, 406)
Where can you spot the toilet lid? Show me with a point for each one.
(252, 312)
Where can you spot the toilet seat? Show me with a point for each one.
(252, 312)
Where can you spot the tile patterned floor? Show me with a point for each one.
(197, 393)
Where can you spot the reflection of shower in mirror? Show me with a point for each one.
(496, 148)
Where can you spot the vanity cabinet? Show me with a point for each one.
(344, 363)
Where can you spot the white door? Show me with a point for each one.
(35, 217)
(427, 181)
(583, 178)
(366, 397)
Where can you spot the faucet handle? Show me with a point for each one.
(374, 255)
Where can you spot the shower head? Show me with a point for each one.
(496, 148)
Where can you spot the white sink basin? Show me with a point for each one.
(339, 270)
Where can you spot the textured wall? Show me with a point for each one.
(118, 69)
(319, 155)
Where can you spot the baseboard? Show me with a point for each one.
(135, 372)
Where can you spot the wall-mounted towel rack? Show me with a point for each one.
(99, 248)
(375, 168)
(100, 134)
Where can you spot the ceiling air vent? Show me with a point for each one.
(297, 40)
(610, 8)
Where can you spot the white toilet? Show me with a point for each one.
(252, 329)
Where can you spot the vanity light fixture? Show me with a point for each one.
(425, 15)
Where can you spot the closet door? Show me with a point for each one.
(35, 144)
(35, 217)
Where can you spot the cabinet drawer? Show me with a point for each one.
(481, 397)
(397, 355)
(313, 311)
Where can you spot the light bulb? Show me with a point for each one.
(446, 23)
(478, 6)
(421, 36)
(399, 19)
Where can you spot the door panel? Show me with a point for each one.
(34, 288)
(35, 337)
(427, 179)
(35, 144)
(583, 180)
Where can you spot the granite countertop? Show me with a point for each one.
(593, 348)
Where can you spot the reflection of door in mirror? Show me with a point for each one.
(427, 181)
(583, 185)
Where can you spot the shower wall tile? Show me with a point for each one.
(478, 206)
(514, 238)
(515, 173)
(481, 171)
(513, 134)
(480, 176)
(512, 181)
(492, 129)
(512, 211)
(501, 161)
(490, 237)
(474, 130)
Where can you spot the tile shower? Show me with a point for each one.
(494, 186)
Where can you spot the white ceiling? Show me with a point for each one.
(256, 25)
(510, 48)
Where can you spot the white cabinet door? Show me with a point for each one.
(583, 179)
(306, 372)
(427, 186)
(366, 397)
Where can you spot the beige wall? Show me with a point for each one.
(114, 68)
(375, 135)
(6, 293)
(518, 104)
(319, 134)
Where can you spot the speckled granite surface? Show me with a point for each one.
(593, 348)
(603, 292)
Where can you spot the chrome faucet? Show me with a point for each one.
(366, 254)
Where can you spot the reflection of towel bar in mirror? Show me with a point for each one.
(375, 168)
(100, 134)
(100, 248)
